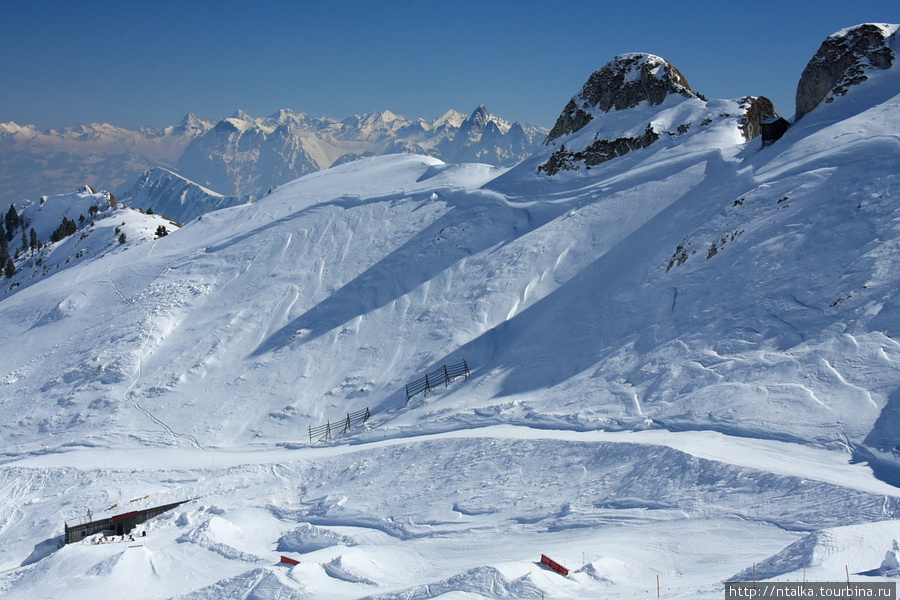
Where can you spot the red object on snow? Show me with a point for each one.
(554, 565)
(289, 561)
(125, 516)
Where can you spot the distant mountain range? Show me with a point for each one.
(243, 155)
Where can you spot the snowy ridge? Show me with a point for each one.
(684, 362)
(102, 226)
(169, 194)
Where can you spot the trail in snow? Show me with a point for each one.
(783, 458)
(125, 395)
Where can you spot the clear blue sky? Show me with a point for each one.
(150, 62)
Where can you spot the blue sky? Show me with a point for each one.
(150, 62)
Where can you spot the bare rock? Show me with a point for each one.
(625, 82)
(756, 110)
(842, 62)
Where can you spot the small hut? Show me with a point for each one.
(772, 129)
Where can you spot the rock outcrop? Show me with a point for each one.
(625, 82)
(756, 110)
(842, 62)
(637, 100)
(597, 153)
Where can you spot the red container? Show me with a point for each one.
(554, 565)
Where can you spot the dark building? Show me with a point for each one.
(772, 129)
(117, 524)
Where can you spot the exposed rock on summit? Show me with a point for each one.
(637, 100)
(625, 82)
(842, 62)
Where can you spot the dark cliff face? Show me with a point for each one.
(842, 62)
(625, 82)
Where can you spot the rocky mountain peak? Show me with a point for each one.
(192, 126)
(623, 83)
(480, 120)
(451, 118)
(842, 62)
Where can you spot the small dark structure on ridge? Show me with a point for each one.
(117, 524)
(772, 129)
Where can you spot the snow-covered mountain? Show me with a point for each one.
(242, 155)
(167, 193)
(683, 368)
(69, 230)
(246, 156)
(35, 162)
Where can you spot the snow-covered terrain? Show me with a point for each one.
(167, 193)
(684, 369)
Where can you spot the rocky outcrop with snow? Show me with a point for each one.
(636, 100)
(625, 82)
(843, 61)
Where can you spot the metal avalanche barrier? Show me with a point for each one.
(442, 376)
(329, 430)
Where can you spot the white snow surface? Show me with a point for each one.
(683, 363)
(180, 199)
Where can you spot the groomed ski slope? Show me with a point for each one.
(466, 512)
(683, 363)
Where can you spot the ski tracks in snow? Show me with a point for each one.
(128, 392)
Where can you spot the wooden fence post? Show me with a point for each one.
(446, 377)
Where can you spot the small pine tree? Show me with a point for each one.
(4, 249)
(10, 269)
(24, 242)
(67, 228)
(122, 238)
(161, 231)
(34, 242)
(12, 221)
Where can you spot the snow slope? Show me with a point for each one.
(169, 194)
(684, 362)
